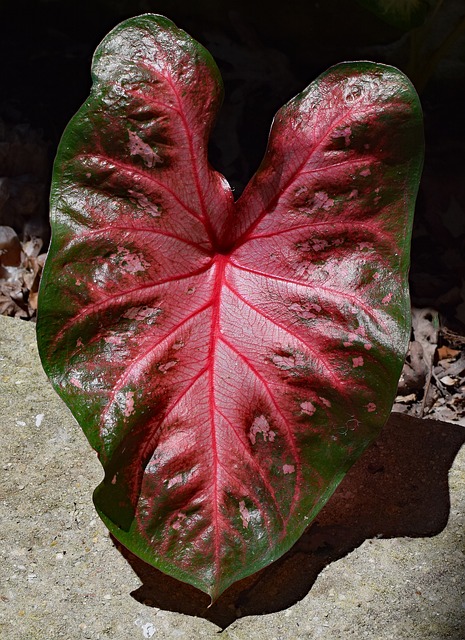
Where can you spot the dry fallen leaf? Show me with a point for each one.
(19, 283)
(445, 353)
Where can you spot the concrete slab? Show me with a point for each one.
(385, 558)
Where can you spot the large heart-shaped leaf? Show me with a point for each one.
(228, 361)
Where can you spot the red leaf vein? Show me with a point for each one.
(318, 356)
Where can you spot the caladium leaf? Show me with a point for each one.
(228, 361)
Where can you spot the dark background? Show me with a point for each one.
(267, 52)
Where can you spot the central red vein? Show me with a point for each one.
(220, 265)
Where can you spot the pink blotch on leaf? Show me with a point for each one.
(351, 339)
(245, 515)
(178, 523)
(302, 311)
(131, 263)
(166, 366)
(118, 340)
(307, 408)
(142, 313)
(145, 203)
(371, 407)
(387, 299)
(137, 147)
(129, 408)
(75, 382)
(288, 468)
(175, 480)
(319, 245)
(357, 362)
(261, 425)
(322, 200)
(289, 361)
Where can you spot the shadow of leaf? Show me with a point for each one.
(399, 487)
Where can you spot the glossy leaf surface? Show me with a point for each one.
(228, 361)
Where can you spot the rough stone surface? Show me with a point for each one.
(62, 577)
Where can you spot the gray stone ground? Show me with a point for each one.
(62, 577)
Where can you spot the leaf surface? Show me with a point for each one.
(228, 361)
